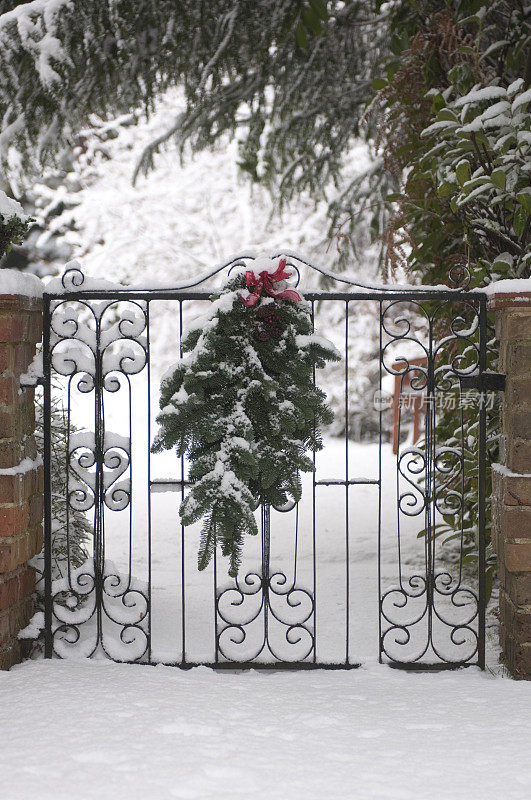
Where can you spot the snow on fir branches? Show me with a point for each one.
(14, 223)
(242, 406)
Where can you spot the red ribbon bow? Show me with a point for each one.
(265, 280)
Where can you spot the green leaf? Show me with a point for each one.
(498, 178)
(453, 205)
(503, 262)
(519, 220)
(438, 102)
(378, 83)
(467, 20)
(311, 20)
(300, 35)
(447, 114)
(320, 8)
(452, 537)
(392, 69)
(524, 198)
(445, 189)
(462, 172)
(396, 44)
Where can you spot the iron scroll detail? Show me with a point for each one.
(270, 605)
(93, 350)
(433, 616)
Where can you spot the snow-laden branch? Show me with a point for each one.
(35, 24)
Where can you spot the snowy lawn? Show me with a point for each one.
(101, 730)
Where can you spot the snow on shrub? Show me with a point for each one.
(14, 223)
(480, 160)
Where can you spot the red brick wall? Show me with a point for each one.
(511, 501)
(21, 494)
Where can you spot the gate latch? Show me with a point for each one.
(486, 382)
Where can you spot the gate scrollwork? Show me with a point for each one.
(431, 342)
(431, 616)
(95, 348)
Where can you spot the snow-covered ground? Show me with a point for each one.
(102, 731)
(97, 730)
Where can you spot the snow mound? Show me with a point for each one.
(12, 281)
(11, 208)
(508, 286)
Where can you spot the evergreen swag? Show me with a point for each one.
(242, 405)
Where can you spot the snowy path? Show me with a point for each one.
(100, 730)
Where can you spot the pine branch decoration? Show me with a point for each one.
(244, 410)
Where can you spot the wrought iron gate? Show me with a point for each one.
(97, 363)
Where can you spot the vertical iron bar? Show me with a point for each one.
(314, 532)
(380, 420)
(216, 649)
(131, 523)
(430, 487)
(67, 474)
(482, 468)
(47, 410)
(99, 443)
(296, 548)
(397, 481)
(148, 364)
(347, 544)
(266, 554)
(183, 575)
(266, 542)
(183, 571)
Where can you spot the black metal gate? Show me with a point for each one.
(293, 605)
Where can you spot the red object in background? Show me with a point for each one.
(416, 398)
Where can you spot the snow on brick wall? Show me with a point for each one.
(12, 281)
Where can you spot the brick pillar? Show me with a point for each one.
(511, 496)
(21, 479)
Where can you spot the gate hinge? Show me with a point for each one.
(486, 382)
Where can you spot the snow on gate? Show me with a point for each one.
(331, 580)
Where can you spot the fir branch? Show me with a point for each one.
(228, 22)
(207, 543)
(146, 158)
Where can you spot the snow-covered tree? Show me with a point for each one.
(481, 144)
(291, 76)
(71, 530)
(52, 197)
(441, 102)
(453, 134)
